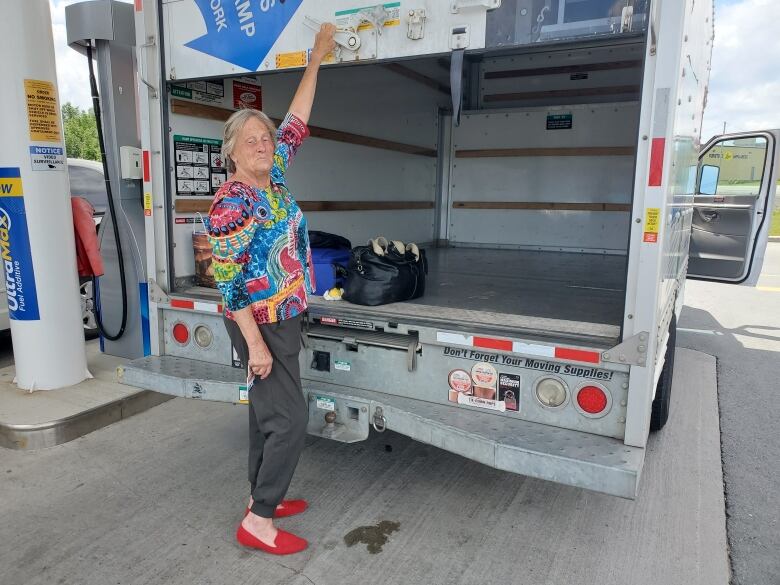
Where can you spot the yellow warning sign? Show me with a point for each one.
(147, 204)
(43, 113)
(296, 59)
(652, 224)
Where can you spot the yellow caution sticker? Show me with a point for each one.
(43, 113)
(652, 224)
(148, 204)
(296, 59)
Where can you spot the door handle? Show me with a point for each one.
(709, 216)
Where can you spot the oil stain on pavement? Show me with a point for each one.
(374, 537)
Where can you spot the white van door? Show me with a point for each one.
(732, 209)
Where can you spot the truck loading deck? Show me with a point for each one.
(543, 294)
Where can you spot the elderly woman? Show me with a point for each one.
(262, 265)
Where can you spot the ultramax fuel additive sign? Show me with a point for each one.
(15, 248)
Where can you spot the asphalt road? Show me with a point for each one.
(741, 327)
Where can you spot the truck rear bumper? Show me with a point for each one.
(564, 456)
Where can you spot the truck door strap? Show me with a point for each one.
(456, 83)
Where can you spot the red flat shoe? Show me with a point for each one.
(286, 508)
(284, 543)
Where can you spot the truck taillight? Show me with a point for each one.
(180, 333)
(593, 400)
(203, 336)
(551, 392)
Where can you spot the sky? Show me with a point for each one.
(744, 83)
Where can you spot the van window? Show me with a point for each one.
(89, 184)
(734, 168)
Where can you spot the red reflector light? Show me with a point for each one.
(180, 333)
(592, 399)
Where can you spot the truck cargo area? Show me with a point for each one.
(546, 294)
(523, 206)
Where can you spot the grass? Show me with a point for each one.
(774, 230)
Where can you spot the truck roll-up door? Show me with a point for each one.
(732, 209)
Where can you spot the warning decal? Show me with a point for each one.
(47, 158)
(43, 113)
(652, 224)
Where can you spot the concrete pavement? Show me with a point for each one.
(741, 326)
(156, 499)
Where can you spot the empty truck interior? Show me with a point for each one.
(523, 206)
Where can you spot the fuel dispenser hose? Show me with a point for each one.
(112, 211)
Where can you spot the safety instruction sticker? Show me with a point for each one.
(199, 166)
(47, 158)
(392, 16)
(295, 59)
(652, 224)
(209, 92)
(148, 204)
(325, 403)
(342, 366)
(243, 394)
(15, 248)
(43, 113)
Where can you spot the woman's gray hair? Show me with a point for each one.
(234, 125)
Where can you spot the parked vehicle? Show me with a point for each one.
(561, 209)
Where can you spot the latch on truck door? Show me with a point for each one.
(347, 37)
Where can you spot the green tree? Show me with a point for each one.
(81, 139)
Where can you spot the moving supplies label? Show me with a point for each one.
(652, 224)
(43, 114)
(15, 248)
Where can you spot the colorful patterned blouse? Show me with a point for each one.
(260, 242)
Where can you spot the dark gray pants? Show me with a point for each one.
(277, 414)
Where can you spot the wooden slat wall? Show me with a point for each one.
(544, 206)
(575, 151)
(203, 205)
(186, 108)
(563, 93)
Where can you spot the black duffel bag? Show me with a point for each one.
(374, 279)
(325, 240)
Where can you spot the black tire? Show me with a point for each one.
(88, 308)
(663, 392)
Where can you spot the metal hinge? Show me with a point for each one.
(156, 294)
(633, 351)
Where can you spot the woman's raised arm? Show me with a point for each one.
(304, 97)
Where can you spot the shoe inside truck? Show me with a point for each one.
(523, 205)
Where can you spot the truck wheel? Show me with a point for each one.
(663, 392)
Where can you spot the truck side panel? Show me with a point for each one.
(673, 101)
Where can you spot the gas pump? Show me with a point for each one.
(104, 29)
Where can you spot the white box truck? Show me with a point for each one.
(547, 156)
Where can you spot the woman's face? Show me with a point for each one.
(253, 153)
